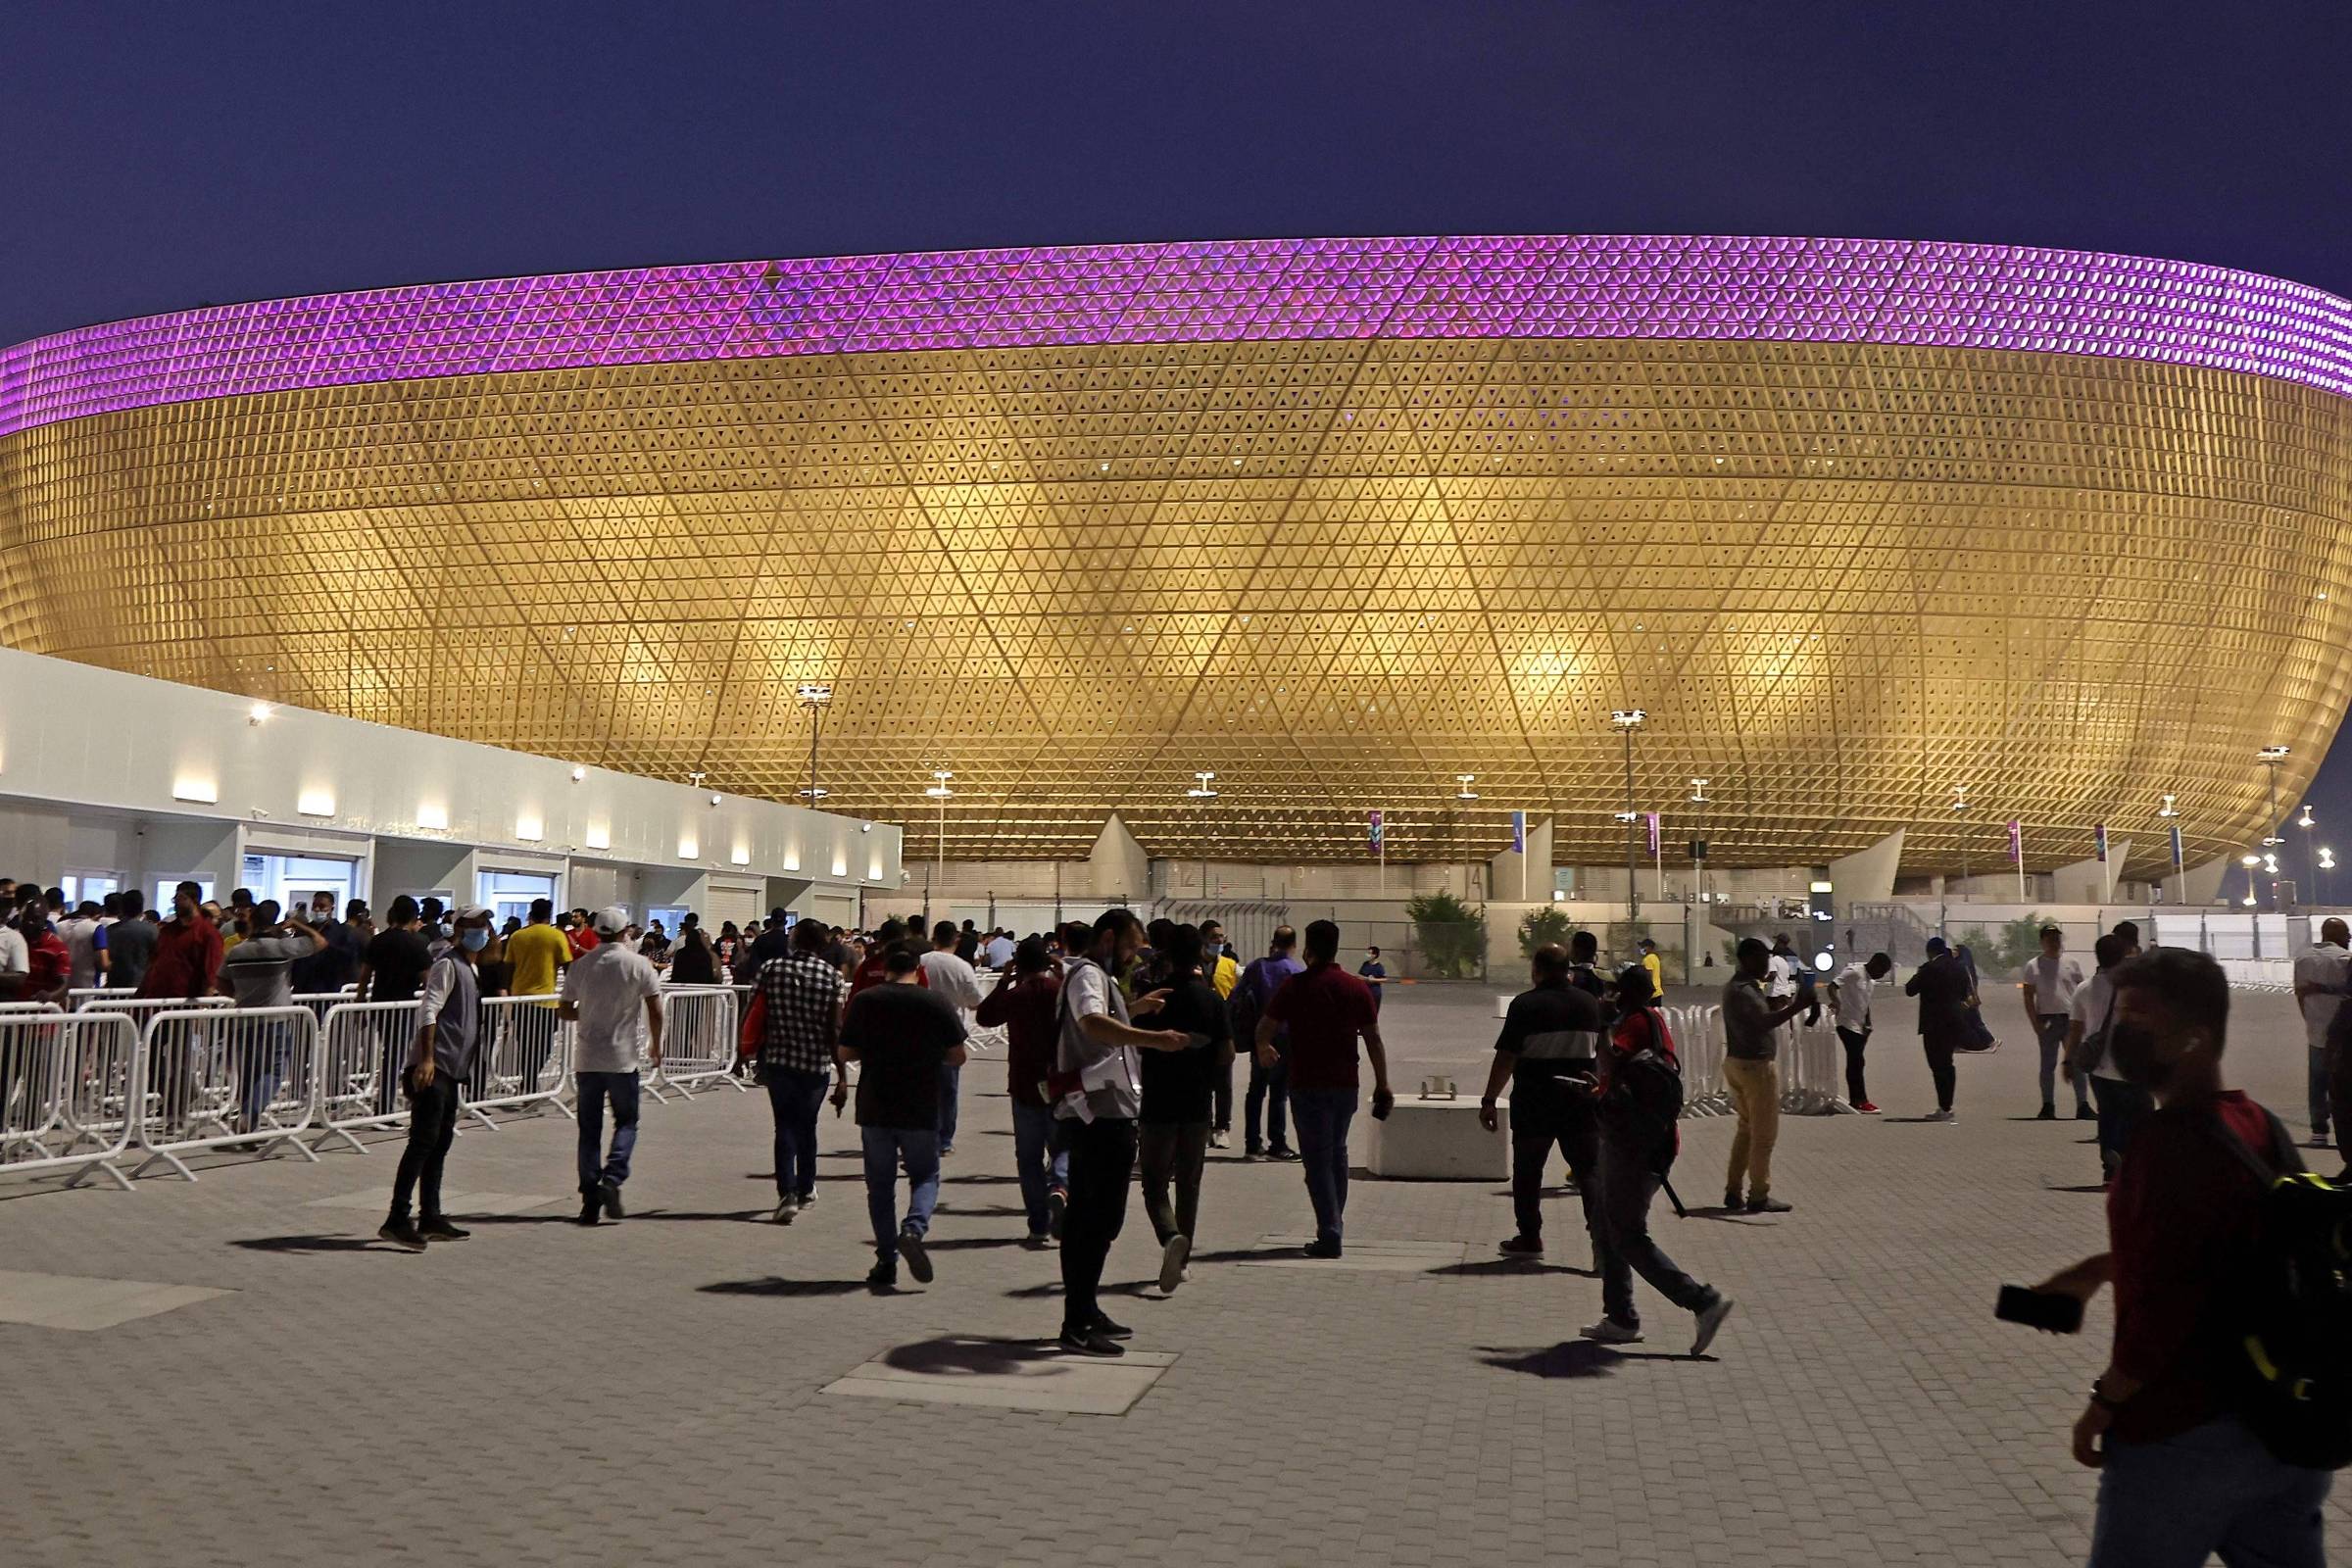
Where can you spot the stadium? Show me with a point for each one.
(1865, 529)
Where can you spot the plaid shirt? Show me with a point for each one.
(801, 1007)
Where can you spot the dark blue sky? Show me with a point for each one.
(157, 156)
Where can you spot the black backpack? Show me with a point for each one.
(2291, 1316)
(1646, 1093)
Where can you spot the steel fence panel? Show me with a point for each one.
(362, 1047)
(698, 1040)
(68, 1093)
(227, 1077)
(522, 1060)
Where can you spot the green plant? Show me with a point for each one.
(1452, 936)
(2001, 949)
(1543, 927)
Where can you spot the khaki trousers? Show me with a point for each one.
(1755, 1088)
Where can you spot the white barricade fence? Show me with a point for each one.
(522, 1059)
(1812, 1068)
(2259, 974)
(68, 1093)
(142, 1009)
(698, 1042)
(323, 1002)
(224, 1077)
(29, 1006)
(362, 1048)
(1699, 1042)
(81, 996)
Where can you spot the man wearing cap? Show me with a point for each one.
(613, 997)
(439, 1061)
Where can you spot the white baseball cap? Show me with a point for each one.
(475, 911)
(612, 921)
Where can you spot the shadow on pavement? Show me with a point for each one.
(1502, 1267)
(304, 1245)
(954, 1355)
(1575, 1359)
(773, 1284)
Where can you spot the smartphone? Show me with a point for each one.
(2046, 1310)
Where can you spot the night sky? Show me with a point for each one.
(162, 156)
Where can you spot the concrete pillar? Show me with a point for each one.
(2086, 881)
(1506, 871)
(1867, 876)
(1117, 865)
(2202, 884)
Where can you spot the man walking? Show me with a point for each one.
(1849, 1009)
(258, 973)
(947, 973)
(1942, 987)
(2181, 1475)
(1546, 1051)
(1269, 1081)
(2090, 1055)
(1024, 1005)
(800, 998)
(612, 999)
(1173, 1127)
(900, 1034)
(1372, 973)
(1751, 1044)
(1639, 1098)
(439, 1061)
(1218, 968)
(2048, 983)
(1095, 1064)
(2321, 977)
(1325, 1009)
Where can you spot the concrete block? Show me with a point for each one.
(1438, 1140)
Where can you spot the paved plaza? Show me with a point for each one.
(236, 1372)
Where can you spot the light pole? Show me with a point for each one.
(1628, 720)
(938, 792)
(2327, 863)
(2270, 756)
(2165, 816)
(2311, 868)
(1698, 840)
(1204, 790)
(813, 695)
(1959, 806)
(1464, 793)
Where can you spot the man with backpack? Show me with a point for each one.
(1269, 1087)
(1639, 1098)
(2205, 1426)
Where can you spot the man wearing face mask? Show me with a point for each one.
(2181, 1472)
(440, 1061)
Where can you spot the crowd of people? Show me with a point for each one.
(1122, 1044)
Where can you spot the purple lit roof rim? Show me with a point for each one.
(2147, 308)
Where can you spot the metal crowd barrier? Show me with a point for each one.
(362, 1047)
(142, 1009)
(1812, 1070)
(522, 1059)
(81, 996)
(1699, 1042)
(698, 1042)
(29, 1006)
(220, 1078)
(68, 1093)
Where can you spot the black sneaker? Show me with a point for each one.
(1522, 1247)
(1321, 1248)
(1768, 1205)
(401, 1233)
(1172, 1255)
(610, 1191)
(590, 1203)
(1253, 1151)
(2085, 1113)
(1732, 1200)
(1058, 1212)
(882, 1277)
(2048, 1114)
(1280, 1152)
(1111, 1330)
(1087, 1342)
(918, 1260)
(439, 1229)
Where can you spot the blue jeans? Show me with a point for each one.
(595, 1088)
(2212, 1489)
(950, 1080)
(2049, 1032)
(1321, 1117)
(1040, 1159)
(1269, 1092)
(264, 1070)
(793, 1099)
(2122, 1108)
(885, 1148)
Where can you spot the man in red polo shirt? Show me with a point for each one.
(188, 952)
(1325, 1010)
(874, 968)
(2182, 1474)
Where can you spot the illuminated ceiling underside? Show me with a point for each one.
(1856, 524)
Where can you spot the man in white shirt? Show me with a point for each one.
(953, 979)
(85, 936)
(2048, 984)
(613, 997)
(1850, 1007)
(1000, 950)
(2322, 974)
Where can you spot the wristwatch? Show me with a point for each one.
(2100, 1398)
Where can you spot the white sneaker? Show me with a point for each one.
(1710, 1319)
(788, 1210)
(1940, 1114)
(1220, 1140)
(1608, 1331)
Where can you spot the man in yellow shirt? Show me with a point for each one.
(1656, 968)
(1219, 969)
(537, 951)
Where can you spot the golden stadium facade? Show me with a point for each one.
(1861, 525)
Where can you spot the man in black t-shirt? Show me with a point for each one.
(1548, 1042)
(903, 1034)
(1583, 959)
(391, 969)
(1178, 1098)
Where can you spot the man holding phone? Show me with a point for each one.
(2181, 1472)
